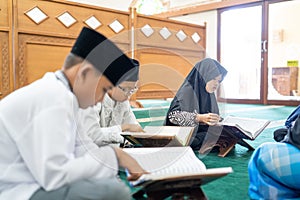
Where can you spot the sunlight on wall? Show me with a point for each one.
(284, 47)
(178, 3)
(122, 5)
(282, 17)
(150, 7)
(240, 52)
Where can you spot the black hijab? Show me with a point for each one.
(192, 95)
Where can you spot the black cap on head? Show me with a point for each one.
(134, 73)
(104, 55)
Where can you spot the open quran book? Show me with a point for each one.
(160, 136)
(244, 128)
(171, 164)
(231, 131)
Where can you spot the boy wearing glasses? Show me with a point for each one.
(105, 121)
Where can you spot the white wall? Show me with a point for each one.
(113, 4)
(124, 4)
(283, 17)
(177, 3)
(211, 20)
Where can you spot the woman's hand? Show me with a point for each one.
(128, 162)
(208, 118)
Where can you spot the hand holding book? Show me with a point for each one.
(233, 130)
(173, 163)
(224, 134)
(244, 128)
(128, 162)
(208, 118)
(160, 136)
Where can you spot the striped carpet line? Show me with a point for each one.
(227, 111)
(251, 109)
(272, 124)
(151, 119)
(276, 123)
(150, 108)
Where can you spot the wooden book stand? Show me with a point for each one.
(178, 190)
(225, 142)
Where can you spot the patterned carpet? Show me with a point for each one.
(235, 185)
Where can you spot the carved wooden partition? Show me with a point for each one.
(36, 35)
(6, 67)
(44, 41)
(168, 50)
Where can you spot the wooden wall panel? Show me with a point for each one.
(160, 79)
(162, 73)
(46, 53)
(165, 62)
(4, 14)
(52, 26)
(173, 26)
(43, 46)
(5, 75)
(39, 54)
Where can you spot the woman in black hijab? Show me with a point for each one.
(195, 103)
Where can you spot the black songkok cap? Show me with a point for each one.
(134, 74)
(104, 55)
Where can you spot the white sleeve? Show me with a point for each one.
(129, 117)
(47, 146)
(100, 135)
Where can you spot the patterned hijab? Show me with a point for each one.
(192, 95)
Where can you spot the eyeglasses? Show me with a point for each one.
(128, 92)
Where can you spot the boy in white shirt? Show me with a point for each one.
(43, 152)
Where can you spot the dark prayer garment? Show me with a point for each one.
(192, 98)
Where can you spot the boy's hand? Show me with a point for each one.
(128, 162)
(131, 128)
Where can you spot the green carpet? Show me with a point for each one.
(235, 185)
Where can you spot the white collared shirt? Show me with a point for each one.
(41, 143)
(103, 121)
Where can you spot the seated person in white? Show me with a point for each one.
(43, 153)
(105, 122)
